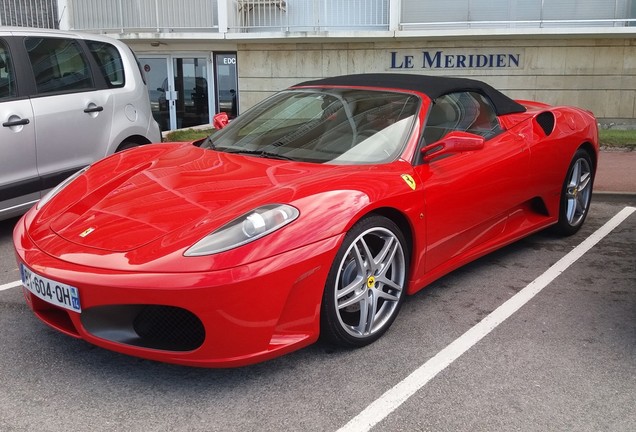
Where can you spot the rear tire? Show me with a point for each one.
(576, 194)
(366, 283)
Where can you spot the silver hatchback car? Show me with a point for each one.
(66, 100)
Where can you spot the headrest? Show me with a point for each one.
(441, 113)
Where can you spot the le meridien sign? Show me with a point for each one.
(456, 59)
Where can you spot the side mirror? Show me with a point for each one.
(220, 120)
(454, 142)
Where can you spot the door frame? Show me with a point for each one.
(215, 72)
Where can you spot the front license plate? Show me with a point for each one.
(55, 293)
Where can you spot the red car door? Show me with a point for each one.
(469, 195)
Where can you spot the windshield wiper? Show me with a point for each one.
(260, 153)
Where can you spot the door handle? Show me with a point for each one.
(20, 122)
(94, 109)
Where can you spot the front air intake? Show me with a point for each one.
(169, 327)
(160, 327)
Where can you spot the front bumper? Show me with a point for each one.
(226, 318)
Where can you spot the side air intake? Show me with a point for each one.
(546, 121)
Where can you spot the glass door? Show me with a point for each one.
(178, 90)
(191, 88)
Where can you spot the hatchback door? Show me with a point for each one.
(66, 93)
(19, 180)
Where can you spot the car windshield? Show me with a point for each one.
(334, 126)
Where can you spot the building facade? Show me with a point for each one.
(29, 13)
(206, 56)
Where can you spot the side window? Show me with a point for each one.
(7, 80)
(466, 112)
(58, 65)
(110, 63)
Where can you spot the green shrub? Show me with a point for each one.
(617, 138)
(187, 135)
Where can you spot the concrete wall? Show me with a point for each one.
(596, 74)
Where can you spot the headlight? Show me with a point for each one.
(50, 194)
(245, 229)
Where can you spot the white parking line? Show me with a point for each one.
(10, 285)
(396, 396)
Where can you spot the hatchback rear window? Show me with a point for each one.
(109, 61)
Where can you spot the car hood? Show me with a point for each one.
(143, 208)
(184, 185)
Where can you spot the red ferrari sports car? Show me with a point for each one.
(312, 214)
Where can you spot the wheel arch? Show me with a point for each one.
(133, 139)
(589, 148)
(402, 221)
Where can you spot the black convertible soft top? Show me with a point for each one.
(432, 86)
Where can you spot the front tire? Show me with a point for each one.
(576, 194)
(366, 283)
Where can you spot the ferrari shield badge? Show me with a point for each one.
(87, 232)
(409, 181)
